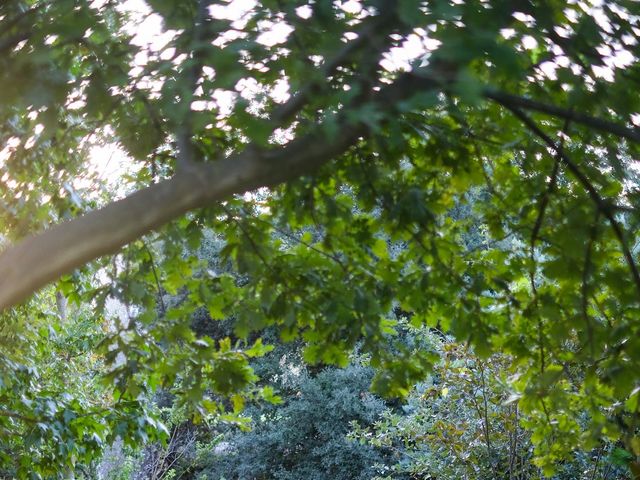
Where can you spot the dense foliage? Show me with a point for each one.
(306, 438)
(471, 164)
(464, 422)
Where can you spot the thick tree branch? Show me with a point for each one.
(40, 259)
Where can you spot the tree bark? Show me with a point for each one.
(44, 257)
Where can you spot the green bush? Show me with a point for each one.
(306, 437)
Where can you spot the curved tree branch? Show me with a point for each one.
(42, 258)
(513, 101)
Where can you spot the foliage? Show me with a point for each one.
(56, 413)
(306, 437)
(303, 436)
(366, 166)
(464, 422)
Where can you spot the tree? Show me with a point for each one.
(463, 422)
(529, 103)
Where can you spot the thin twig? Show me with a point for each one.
(248, 236)
(186, 154)
(12, 22)
(288, 110)
(600, 203)
(18, 416)
(330, 256)
(155, 276)
(515, 102)
(585, 282)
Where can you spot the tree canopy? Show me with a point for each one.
(472, 164)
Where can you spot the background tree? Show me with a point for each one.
(464, 422)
